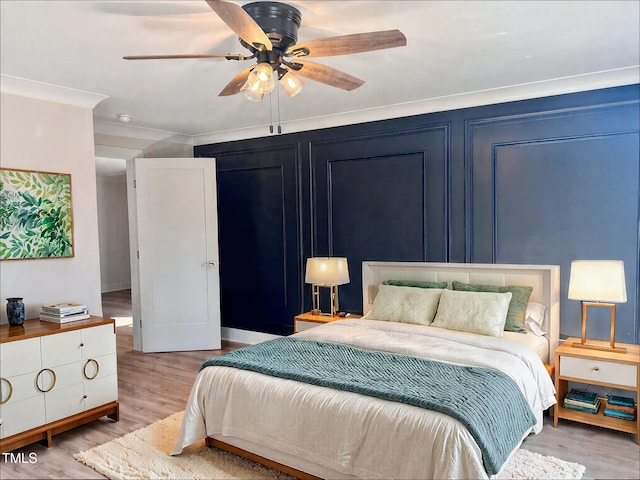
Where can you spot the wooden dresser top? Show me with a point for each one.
(37, 328)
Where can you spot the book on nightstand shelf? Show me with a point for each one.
(609, 412)
(64, 312)
(582, 396)
(582, 401)
(621, 407)
(583, 408)
(620, 401)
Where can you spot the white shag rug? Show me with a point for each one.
(144, 454)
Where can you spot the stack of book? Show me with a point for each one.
(64, 312)
(621, 407)
(583, 401)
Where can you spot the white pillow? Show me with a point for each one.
(534, 318)
(474, 312)
(405, 304)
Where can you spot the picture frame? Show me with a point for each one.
(36, 215)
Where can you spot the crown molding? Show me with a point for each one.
(123, 153)
(51, 93)
(133, 131)
(525, 91)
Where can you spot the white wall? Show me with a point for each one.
(57, 137)
(113, 228)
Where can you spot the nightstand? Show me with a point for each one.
(308, 320)
(596, 367)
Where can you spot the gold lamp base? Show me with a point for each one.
(594, 346)
(603, 348)
(333, 291)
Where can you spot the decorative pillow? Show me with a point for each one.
(517, 308)
(415, 283)
(405, 304)
(474, 312)
(535, 317)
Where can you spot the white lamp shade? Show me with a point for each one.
(327, 271)
(598, 280)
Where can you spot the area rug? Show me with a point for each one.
(143, 454)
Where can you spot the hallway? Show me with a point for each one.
(117, 305)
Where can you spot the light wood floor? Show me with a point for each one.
(153, 386)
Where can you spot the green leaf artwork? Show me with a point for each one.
(35, 215)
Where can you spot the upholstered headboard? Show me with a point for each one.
(545, 280)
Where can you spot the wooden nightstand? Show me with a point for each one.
(595, 367)
(308, 320)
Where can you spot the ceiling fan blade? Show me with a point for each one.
(228, 56)
(347, 44)
(236, 83)
(328, 75)
(241, 23)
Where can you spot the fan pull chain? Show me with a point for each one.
(278, 100)
(270, 113)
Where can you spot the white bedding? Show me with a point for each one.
(352, 434)
(537, 343)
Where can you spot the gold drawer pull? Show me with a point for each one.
(84, 369)
(2, 379)
(53, 384)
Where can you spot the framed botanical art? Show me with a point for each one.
(36, 218)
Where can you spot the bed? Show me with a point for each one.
(320, 427)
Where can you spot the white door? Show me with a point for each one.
(177, 254)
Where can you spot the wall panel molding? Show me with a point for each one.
(381, 196)
(619, 124)
(595, 151)
(510, 182)
(259, 194)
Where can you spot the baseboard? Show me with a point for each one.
(114, 287)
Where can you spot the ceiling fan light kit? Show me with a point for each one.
(259, 82)
(292, 84)
(269, 30)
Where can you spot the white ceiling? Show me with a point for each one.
(458, 54)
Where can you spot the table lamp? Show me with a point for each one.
(598, 283)
(326, 272)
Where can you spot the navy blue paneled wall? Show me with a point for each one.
(543, 181)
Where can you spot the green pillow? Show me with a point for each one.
(517, 307)
(415, 283)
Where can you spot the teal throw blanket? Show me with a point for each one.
(488, 402)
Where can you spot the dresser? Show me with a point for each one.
(62, 375)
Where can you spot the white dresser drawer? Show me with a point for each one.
(64, 402)
(100, 391)
(98, 341)
(20, 357)
(20, 388)
(99, 367)
(23, 415)
(61, 349)
(590, 370)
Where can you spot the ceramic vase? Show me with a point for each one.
(15, 311)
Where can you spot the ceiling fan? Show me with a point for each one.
(269, 30)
